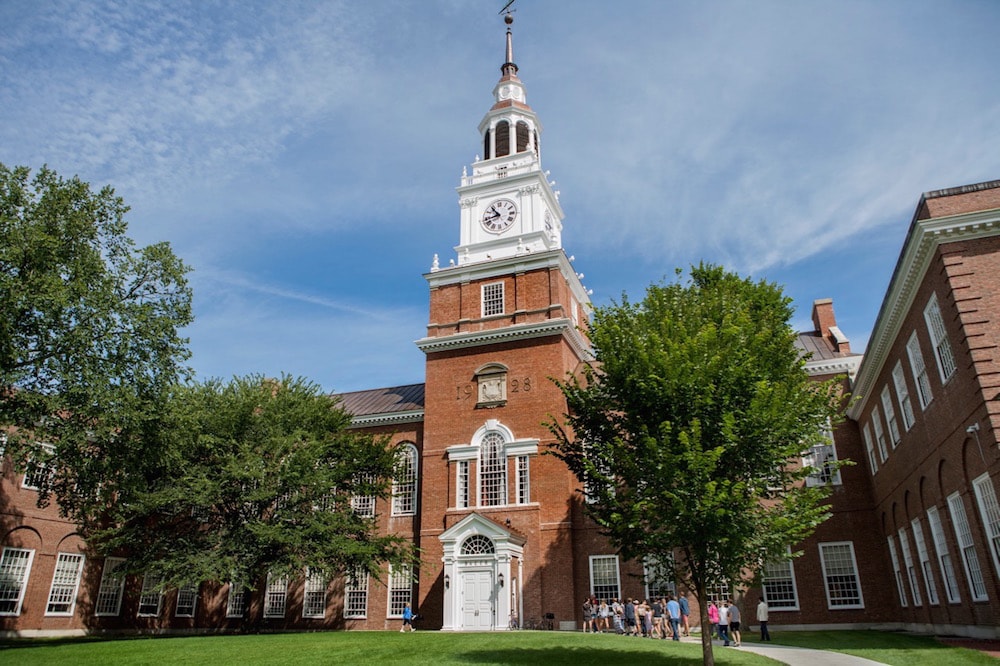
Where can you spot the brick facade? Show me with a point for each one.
(487, 379)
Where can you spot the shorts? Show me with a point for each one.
(734, 626)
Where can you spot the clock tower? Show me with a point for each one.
(507, 314)
(507, 204)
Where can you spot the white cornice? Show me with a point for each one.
(562, 326)
(918, 251)
(389, 418)
(844, 365)
(521, 263)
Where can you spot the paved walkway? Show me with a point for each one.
(793, 656)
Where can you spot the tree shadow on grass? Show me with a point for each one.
(588, 656)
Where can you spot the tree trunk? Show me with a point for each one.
(707, 656)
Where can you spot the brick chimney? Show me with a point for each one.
(825, 323)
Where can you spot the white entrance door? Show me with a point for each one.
(477, 600)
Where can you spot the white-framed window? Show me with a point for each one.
(109, 594)
(911, 571)
(187, 600)
(523, 480)
(779, 586)
(840, 573)
(948, 576)
(658, 579)
(492, 470)
(822, 459)
(150, 596)
(493, 299)
(925, 562)
(40, 468)
(989, 511)
(15, 567)
(275, 596)
(356, 594)
(919, 370)
(462, 485)
(883, 451)
(400, 589)
(404, 483)
(719, 592)
(605, 581)
(897, 572)
(867, 432)
(363, 505)
(903, 396)
(890, 416)
(314, 595)
(939, 339)
(593, 485)
(236, 600)
(65, 583)
(963, 535)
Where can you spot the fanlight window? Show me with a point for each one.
(477, 544)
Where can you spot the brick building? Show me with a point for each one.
(914, 538)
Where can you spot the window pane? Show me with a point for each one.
(109, 596)
(604, 580)
(15, 565)
(65, 580)
(843, 589)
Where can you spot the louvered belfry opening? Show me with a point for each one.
(503, 139)
(522, 136)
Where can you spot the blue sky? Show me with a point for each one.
(302, 156)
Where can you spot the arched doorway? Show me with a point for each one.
(481, 561)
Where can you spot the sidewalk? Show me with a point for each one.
(793, 656)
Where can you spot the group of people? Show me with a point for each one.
(663, 618)
(726, 622)
(667, 618)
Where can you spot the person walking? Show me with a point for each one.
(587, 613)
(630, 618)
(724, 623)
(407, 620)
(685, 613)
(765, 635)
(713, 619)
(734, 624)
(604, 616)
(674, 615)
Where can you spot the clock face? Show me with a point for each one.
(499, 215)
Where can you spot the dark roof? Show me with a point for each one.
(383, 400)
(818, 347)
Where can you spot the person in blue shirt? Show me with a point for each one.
(407, 619)
(685, 614)
(674, 613)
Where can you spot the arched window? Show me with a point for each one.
(404, 482)
(486, 145)
(477, 544)
(503, 138)
(492, 470)
(522, 136)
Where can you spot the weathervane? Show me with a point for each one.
(506, 8)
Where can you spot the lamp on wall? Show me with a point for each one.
(447, 581)
(500, 579)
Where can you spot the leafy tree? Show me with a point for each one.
(688, 431)
(89, 337)
(255, 476)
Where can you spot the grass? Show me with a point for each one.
(423, 648)
(896, 649)
(433, 648)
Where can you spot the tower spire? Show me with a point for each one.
(509, 68)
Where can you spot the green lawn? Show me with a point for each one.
(424, 648)
(433, 648)
(887, 647)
